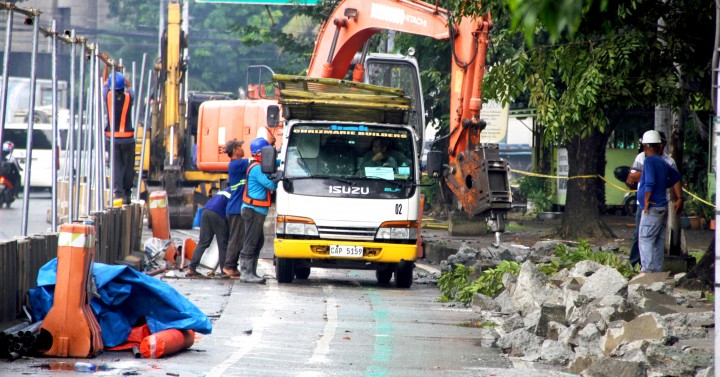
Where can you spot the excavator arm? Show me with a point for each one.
(476, 174)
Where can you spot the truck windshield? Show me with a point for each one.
(350, 152)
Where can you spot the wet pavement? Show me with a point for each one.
(336, 323)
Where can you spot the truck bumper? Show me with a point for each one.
(320, 249)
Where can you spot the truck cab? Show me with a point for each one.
(349, 199)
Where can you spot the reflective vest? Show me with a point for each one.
(255, 202)
(123, 129)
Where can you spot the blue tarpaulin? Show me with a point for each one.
(126, 297)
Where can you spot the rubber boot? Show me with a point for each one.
(247, 273)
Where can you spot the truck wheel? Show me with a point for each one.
(404, 274)
(383, 275)
(284, 270)
(302, 272)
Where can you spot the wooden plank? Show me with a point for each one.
(300, 81)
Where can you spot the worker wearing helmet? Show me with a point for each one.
(124, 133)
(10, 167)
(256, 203)
(237, 177)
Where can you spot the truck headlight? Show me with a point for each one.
(397, 230)
(295, 226)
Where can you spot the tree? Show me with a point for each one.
(614, 61)
(224, 39)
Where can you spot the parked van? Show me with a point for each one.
(41, 167)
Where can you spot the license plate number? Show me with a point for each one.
(346, 251)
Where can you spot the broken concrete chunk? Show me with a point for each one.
(608, 367)
(520, 342)
(649, 278)
(585, 268)
(532, 289)
(480, 302)
(549, 313)
(649, 326)
(605, 281)
(555, 353)
(674, 361)
(513, 323)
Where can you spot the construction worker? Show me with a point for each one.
(213, 223)
(237, 174)
(124, 133)
(256, 203)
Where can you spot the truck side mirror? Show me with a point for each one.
(269, 156)
(434, 164)
(273, 115)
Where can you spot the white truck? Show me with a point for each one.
(350, 197)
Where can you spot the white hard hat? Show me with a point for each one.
(651, 137)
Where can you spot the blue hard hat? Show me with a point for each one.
(257, 145)
(119, 81)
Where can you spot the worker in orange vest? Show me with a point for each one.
(124, 147)
(255, 207)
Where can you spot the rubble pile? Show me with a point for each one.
(591, 319)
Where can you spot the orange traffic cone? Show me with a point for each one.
(71, 323)
(160, 217)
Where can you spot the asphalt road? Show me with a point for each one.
(336, 323)
(11, 218)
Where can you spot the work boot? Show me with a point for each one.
(247, 271)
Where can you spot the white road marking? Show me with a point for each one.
(247, 343)
(323, 346)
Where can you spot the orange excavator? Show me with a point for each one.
(476, 174)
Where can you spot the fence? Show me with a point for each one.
(118, 234)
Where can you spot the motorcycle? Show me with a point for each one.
(629, 204)
(7, 189)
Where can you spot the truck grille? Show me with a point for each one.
(346, 233)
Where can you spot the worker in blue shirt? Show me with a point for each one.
(256, 203)
(237, 175)
(212, 224)
(657, 176)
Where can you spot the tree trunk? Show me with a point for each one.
(703, 274)
(585, 195)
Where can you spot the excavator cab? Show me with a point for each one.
(400, 71)
(260, 84)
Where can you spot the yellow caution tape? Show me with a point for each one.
(614, 185)
(698, 198)
(553, 176)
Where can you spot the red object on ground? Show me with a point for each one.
(137, 334)
(166, 343)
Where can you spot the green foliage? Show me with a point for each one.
(224, 39)
(565, 258)
(537, 190)
(455, 285)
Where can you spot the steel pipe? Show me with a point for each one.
(71, 134)
(56, 134)
(4, 84)
(146, 129)
(31, 125)
(80, 147)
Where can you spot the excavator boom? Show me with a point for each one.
(476, 174)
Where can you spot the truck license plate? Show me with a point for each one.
(346, 251)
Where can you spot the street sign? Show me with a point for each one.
(261, 2)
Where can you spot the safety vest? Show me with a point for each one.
(251, 201)
(122, 129)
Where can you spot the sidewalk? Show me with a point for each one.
(524, 230)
